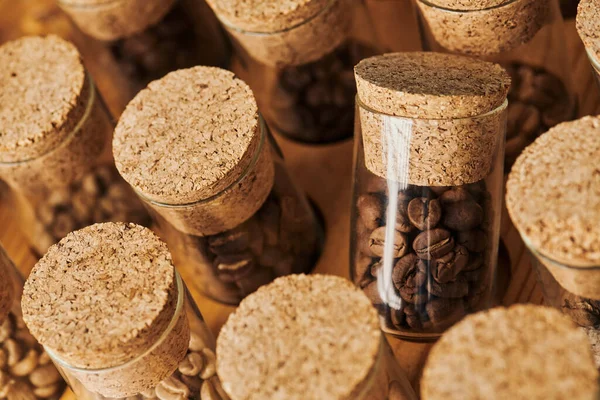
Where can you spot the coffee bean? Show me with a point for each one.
(455, 195)
(463, 215)
(424, 213)
(372, 292)
(233, 241)
(378, 239)
(451, 290)
(403, 223)
(370, 210)
(233, 267)
(584, 312)
(413, 317)
(445, 312)
(433, 244)
(397, 318)
(409, 273)
(475, 262)
(446, 268)
(474, 240)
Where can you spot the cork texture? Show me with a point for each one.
(487, 31)
(522, 352)
(419, 121)
(305, 40)
(588, 26)
(300, 337)
(43, 93)
(7, 289)
(553, 198)
(115, 19)
(430, 85)
(467, 5)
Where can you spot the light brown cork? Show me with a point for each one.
(486, 31)
(7, 289)
(468, 5)
(523, 352)
(287, 32)
(553, 198)
(300, 337)
(43, 95)
(588, 25)
(431, 119)
(115, 19)
(102, 297)
(192, 135)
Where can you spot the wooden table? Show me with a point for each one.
(324, 172)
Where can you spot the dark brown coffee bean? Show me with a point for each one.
(377, 243)
(439, 190)
(474, 240)
(234, 241)
(451, 290)
(455, 195)
(372, 292)
(370, 210)
(375, 269)
(446, 268)
(475, 262)
(444, 313)
(413, 317)
(402, 221)
(397, 318)
(463, 215)
(419, 297)
(584, 312)
(231, 268)
(433, 244)
(409, 273)
(424, 213)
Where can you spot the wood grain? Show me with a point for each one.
(324, 172)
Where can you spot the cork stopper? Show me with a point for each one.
(7, 289)
(553, 198)
(190, 136)
(523, 352)
(588, 25)
(43, 95)
(501, 27)
(115, 19)
(446, 112)
(300, 337)
(102, 297)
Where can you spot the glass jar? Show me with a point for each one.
(300, 64)
(587, 28)
(25, 369)
(426, 207)
(62, 175)
(527, 38)
(149, 39)
(219, 192)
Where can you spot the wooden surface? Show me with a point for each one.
(324, 172)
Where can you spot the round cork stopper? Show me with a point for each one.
(187, 136)
(300, 337)
(43, 91)
(523, 352)
(7, 290)
(430, 85)
(588, 25)
(267, 16)
(467, 5)
(102, 295)
(553, 193)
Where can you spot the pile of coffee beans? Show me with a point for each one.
(441, 254)
(537, 101)
(314, 102)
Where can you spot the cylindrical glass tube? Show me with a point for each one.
(301, 68)
(587, 25)
(25, 369)
(71, 181)
(149, 38)
(527, 38)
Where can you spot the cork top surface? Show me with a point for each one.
(102, 295)
(588, 23)
(430, 85)
(553, 193)
(186, 136)
(267, 16)
(523, 352)
(41, 80)
(85, 3)
(300, 337)
(7, 291)
(467, 5)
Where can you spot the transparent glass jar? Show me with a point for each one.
(527, 38)
(283, 237)
(25, 369)
(195, 377)
(149, 39)
(75, 183)
(441, 261)
(595, 65)
(302, 72)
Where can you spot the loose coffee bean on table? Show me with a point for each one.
(441, 254)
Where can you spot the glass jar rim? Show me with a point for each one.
(593, 60)
(174, 320)
(496, 110)
(263, 129)
(320, 12)
(75, 4)
(457, 11)
(86, 114)
(538, 254)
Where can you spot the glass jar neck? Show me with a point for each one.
(555, 263)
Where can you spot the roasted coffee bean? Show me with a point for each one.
(233, 241)
(463, 215)
(584, 312)
(433, 244)
(445, 312)
(403, 223)
(362, 268)
(397, 318)
(413, 317)
(377, 243)
(475, 262)
(474, 240)
(451, 290)
(375, 269)
(233, 267)
(372, 292)
(409, 273)
(424, 213)
(455, 195)
(446, 268)
(370, 210)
